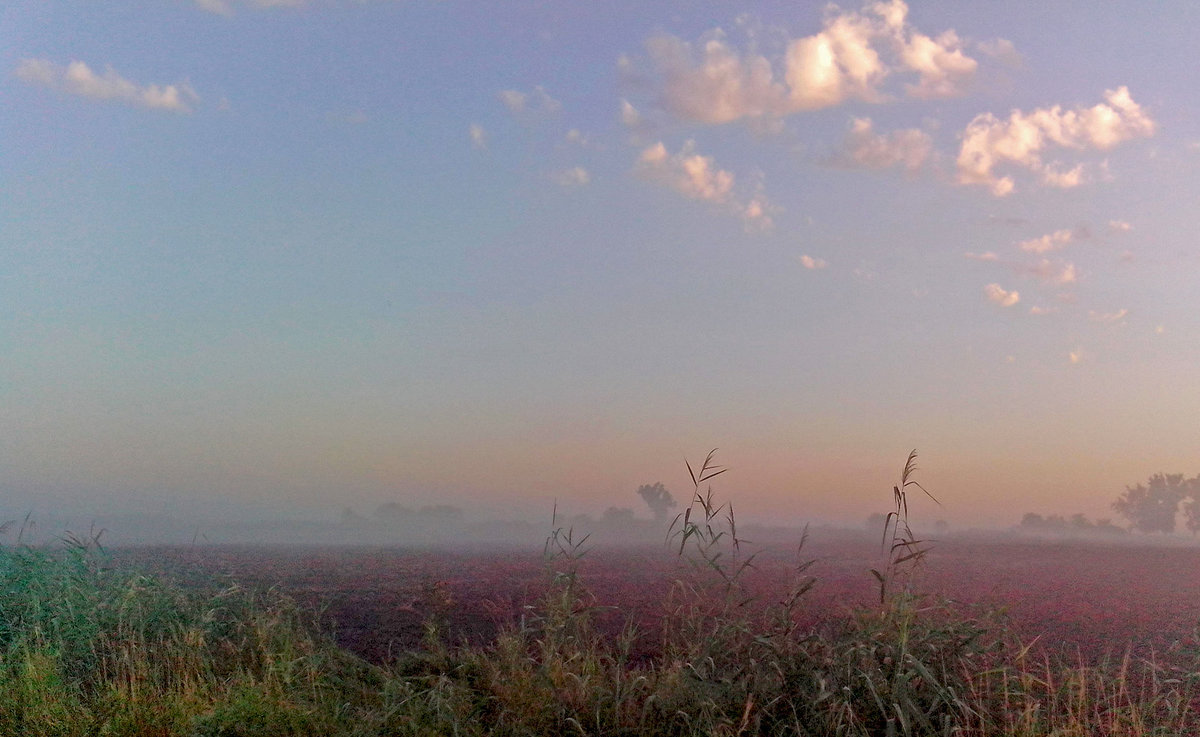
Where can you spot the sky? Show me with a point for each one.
(285, 256)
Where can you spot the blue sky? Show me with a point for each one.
(297, 255)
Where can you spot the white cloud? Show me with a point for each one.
(848, 59)
(574, 136)
(721, 88)
(838, 64)
(811, 263)
(1074, 356)
(687, 172)
(945, 71)
(77, 78)
(576, 176)
(630, 117)
(1049, 271)
(538, 102)
(1002, 50)
(1052, 272)
(1036, 310)
(989, 142)
(1049, 242)
(865, 148)
(1107, 316)
(1119, 226)
(698, 177)
(1069, 179)
(1001, 296)
(478, 136)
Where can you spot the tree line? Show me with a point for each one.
(1156, 505)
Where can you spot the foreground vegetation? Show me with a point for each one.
(91, 650)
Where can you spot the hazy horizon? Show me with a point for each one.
(285, 257)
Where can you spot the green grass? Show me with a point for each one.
(86, 649)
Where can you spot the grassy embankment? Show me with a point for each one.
(88, 650)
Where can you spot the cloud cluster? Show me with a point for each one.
(811, 263)
(1049, 271)
(849, 59)
(576, 176)
(699, 178)
(1049, 242)
(538, 102)
(864, 148)
(77, 78)
(1001, 296)
(1022, 138)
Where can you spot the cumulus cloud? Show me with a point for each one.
(1001, 296)
(1002, 50)
(699, 178)
(478, 136)
(1045, 270)
(1108, 317)
(945, 71)
(1049, 242)
(77, 78)
(850, 58)
(576, 176)
(1119, 226)
(1036, 310)
(989, 142)
(538, 102)
(722, 86)
(1074, 356)
(1050, 271)
(811, 263)
(838, 64)
(1063, 179)
(864, 148)
(630, 117)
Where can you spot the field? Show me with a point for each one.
(713, 635)
(1081, 597)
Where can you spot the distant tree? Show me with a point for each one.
(582, 522)
(1033, 521)
(392, 512)
(441, 512)
(658, 499)
(875, 522)
(1154, 507)
(618, 516)
(1191, 508)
